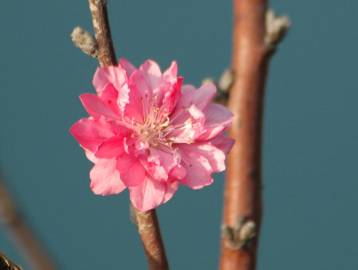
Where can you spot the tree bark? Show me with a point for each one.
(242, 196)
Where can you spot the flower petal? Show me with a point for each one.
(96, 107)
(188, 125)
(168, 159)
(111, 148)
(170, 190)
(223, 142)
(214, 155)
(160, 163)
(140, 97)
(172, 96)
(128, 66)
(198, 167)
(152, 73)
(199, 97)
(155, 170)
(131, 170)
(148, 195)
(218, 118)
(115, 75)
(178, 172)
(90, 132)
(171, 73)
(105, 178)
(109, 97)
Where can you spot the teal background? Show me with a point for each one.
(310, 136)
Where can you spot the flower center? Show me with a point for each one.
(154, 129)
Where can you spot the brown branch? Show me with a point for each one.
(242, 196)
(23, 236)
(106, 55)
(148, 228)
(147, 222)
(7, 264)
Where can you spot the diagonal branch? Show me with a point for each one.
(7, 264)
(147, 222)
(254, 39)
(22, 234)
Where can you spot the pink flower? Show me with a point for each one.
(149, 133)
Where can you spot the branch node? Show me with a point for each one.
(223, 85)
(240, 235)
(226, 80)
(276, 29)
(85, 41)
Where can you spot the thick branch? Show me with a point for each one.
(148, 226)
(22, 234)
(242, 196)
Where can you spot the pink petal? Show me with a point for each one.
(189, 125)
(109, 97)
(170, 190)
(178, 172)
(115, 75)
(111, 148)
(200, 97)
(171, 73)
(218, 118)
(128, 66)
(123, 98)
(140, 97)
(167, 159)
(223, 142)
(172, 96)
(152, 73)
(96, 107)
(148, 195)
(105, 178)
(90, 133)
(131, 170)
(155, 170)
(198, 167)
(214, 155)
(90, 155)
(160, 163)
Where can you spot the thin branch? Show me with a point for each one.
(242, 196)
(147, 223)
(24, 237)
(106, 55)
(148, 228)
(7, 264)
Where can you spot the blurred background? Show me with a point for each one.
(310, 135)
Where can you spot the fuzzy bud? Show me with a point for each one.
(85, 41)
